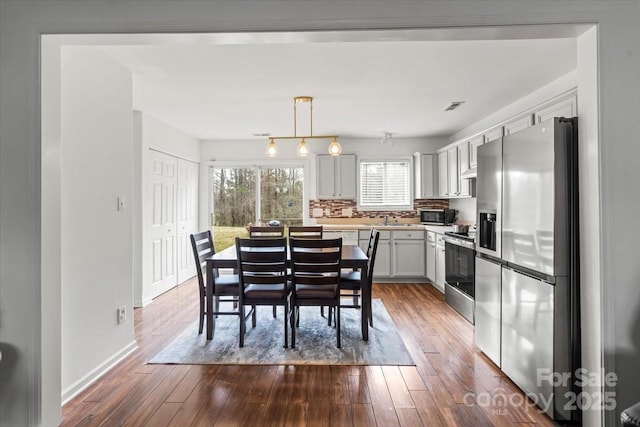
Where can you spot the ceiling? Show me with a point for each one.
(362, 86)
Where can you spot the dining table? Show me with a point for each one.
(353, 257)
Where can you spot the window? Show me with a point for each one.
(385, 184)
(251, 194)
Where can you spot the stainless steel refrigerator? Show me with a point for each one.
(527, 269)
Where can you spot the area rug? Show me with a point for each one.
(315, 341)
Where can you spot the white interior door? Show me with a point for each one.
(163, 222)
(187, 209)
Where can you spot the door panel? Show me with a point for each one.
(529, 197)
(187, 217)
(488, 312)
(163, 223)
(527, 331)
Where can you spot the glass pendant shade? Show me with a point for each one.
(303, 149)
(272, 149)
(335, 149)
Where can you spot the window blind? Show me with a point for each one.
(385, 183)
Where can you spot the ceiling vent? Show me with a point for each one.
(454, 105)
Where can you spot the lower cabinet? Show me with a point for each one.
(401, 253)
(431, 256)
(408, 258)
(440, 277)
(382, 267)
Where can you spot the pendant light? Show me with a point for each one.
(272, 148)
(335, 149)
(303, 149)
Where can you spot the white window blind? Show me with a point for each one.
(385, 183)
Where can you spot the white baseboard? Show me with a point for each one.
(143, 303)
(84, 382)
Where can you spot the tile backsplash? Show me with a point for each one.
(349, 209)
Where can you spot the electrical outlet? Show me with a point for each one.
(122, 314)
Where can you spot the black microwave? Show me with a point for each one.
(437, 216)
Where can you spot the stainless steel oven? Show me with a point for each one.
(459, 290)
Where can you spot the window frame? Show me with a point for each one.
(257, 165)
(385, 159)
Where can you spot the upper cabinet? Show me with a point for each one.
(567, 107)
(443, 174)
(518, 124)
(425, 174)
(493, 134)
(453, 174)
(336, 176)
(464, 185)
(474, 143)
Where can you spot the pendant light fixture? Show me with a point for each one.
(272, 148)
(335, 149)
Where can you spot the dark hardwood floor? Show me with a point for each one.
(452, 384)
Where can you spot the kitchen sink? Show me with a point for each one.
(395, 224)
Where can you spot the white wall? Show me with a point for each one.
(21, 169)
(591, 286)
(96, 238)
(157, 135)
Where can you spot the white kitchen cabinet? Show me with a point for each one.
(425, 174)
(443, 174)
(567, 107)
(408, 258)
(382, 267)
(493, 134)
(440, 267)
(452, 173)
(349, 237)
(401, 254)
(518, 124)
(474, 143)
(464, 185)
(431, 256)
(336, 176)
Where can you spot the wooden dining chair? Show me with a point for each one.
(315, 273)
(262, 232)
(305, 231)
(350, 280)
(226, 286)
(262, 270)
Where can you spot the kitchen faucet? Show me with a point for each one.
(386, 219)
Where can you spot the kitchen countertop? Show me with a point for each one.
(441, 229)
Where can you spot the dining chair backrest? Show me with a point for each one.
(305, 232)
(372, 249)
(261, 261)
(316, 261)
(202, 245)
(261, 232)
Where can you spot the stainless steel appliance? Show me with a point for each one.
(437, 216)
(527, 282)
(459, 285)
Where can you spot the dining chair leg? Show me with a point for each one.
(242, 326)
(292, 317)
(286, 327)
(322, 310)
(201, 325)
(275, 310)
(337, 311)
(216, 305)
(253, 316)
